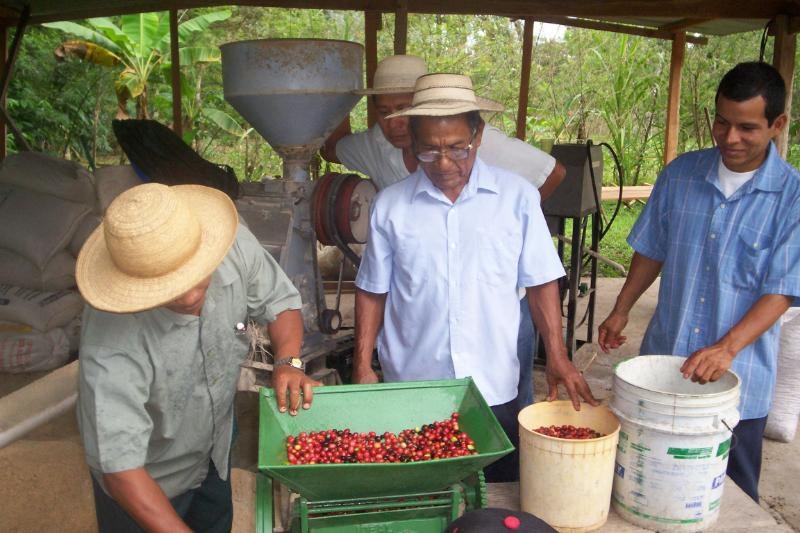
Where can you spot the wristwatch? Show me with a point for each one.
(294, 362)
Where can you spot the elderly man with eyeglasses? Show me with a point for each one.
(384, 153)
(447, 248)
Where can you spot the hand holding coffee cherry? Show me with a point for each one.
(439, 440)
(568, 432)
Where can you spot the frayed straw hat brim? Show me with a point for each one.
(385, 90)
(104, 286)
(396, 75)
(442, 94)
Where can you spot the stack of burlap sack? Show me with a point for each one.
(785, 410)
(48, 208)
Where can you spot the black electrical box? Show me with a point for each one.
(575, 197)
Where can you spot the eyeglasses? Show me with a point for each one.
(455, 154)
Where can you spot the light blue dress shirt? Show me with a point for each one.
(719, 257)
(451, 271)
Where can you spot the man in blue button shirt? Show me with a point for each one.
(722, 227)
(447, 248)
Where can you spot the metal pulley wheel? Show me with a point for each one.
(331, 319)
(340, 207)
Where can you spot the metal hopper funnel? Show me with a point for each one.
(294, 92)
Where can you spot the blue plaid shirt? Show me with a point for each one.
(720, 255)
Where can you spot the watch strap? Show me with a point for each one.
(294, 362)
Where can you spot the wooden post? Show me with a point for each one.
(8, 71)
(783, 60)
(372, 20)
(400, 27)
(674, 97)
(3, 56)
(525, 79)
(174, 46)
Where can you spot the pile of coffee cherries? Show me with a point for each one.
(569, 432)
(438, 440)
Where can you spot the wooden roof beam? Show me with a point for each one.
(682, 24)
(618, 28)
(793, 26)
(673, 9)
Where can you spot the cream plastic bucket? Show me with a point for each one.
(673, 445)
(567, 483)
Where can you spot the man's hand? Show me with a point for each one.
(293, 380)
(609, 334)
(546, 312)
(369, 320)
(708, 364)
(364, 375)
(561, 370)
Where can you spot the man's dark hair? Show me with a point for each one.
(751, 79)
(473, 119)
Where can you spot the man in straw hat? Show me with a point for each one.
(447, 249)
(385, 154)
(384, 151)
(171, 279)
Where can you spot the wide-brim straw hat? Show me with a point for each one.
(438, 95)
(396, 75)
(154, 245)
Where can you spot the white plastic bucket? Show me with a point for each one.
(673, 445)
(567, 483)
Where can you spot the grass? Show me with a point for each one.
(613, 245)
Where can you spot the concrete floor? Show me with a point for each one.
(44, 484)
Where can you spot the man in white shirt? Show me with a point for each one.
(384, 153)
(447, 249)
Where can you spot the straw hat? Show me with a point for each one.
(154, 245)
(438, 95)
(396, 75)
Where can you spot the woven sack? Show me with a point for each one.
(785, 409)
(31, 350)
(37, 226)
(57, 274)
(46, 174)
(41, 310)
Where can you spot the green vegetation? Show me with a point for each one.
(613, 245)
(140, 45)
(588, 85)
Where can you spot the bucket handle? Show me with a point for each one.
(734, 439)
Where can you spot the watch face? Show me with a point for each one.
(296, 362)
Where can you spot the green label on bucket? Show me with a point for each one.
(662, 519)
(724, 447)
(689, 453)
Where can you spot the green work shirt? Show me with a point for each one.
(156, 388)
